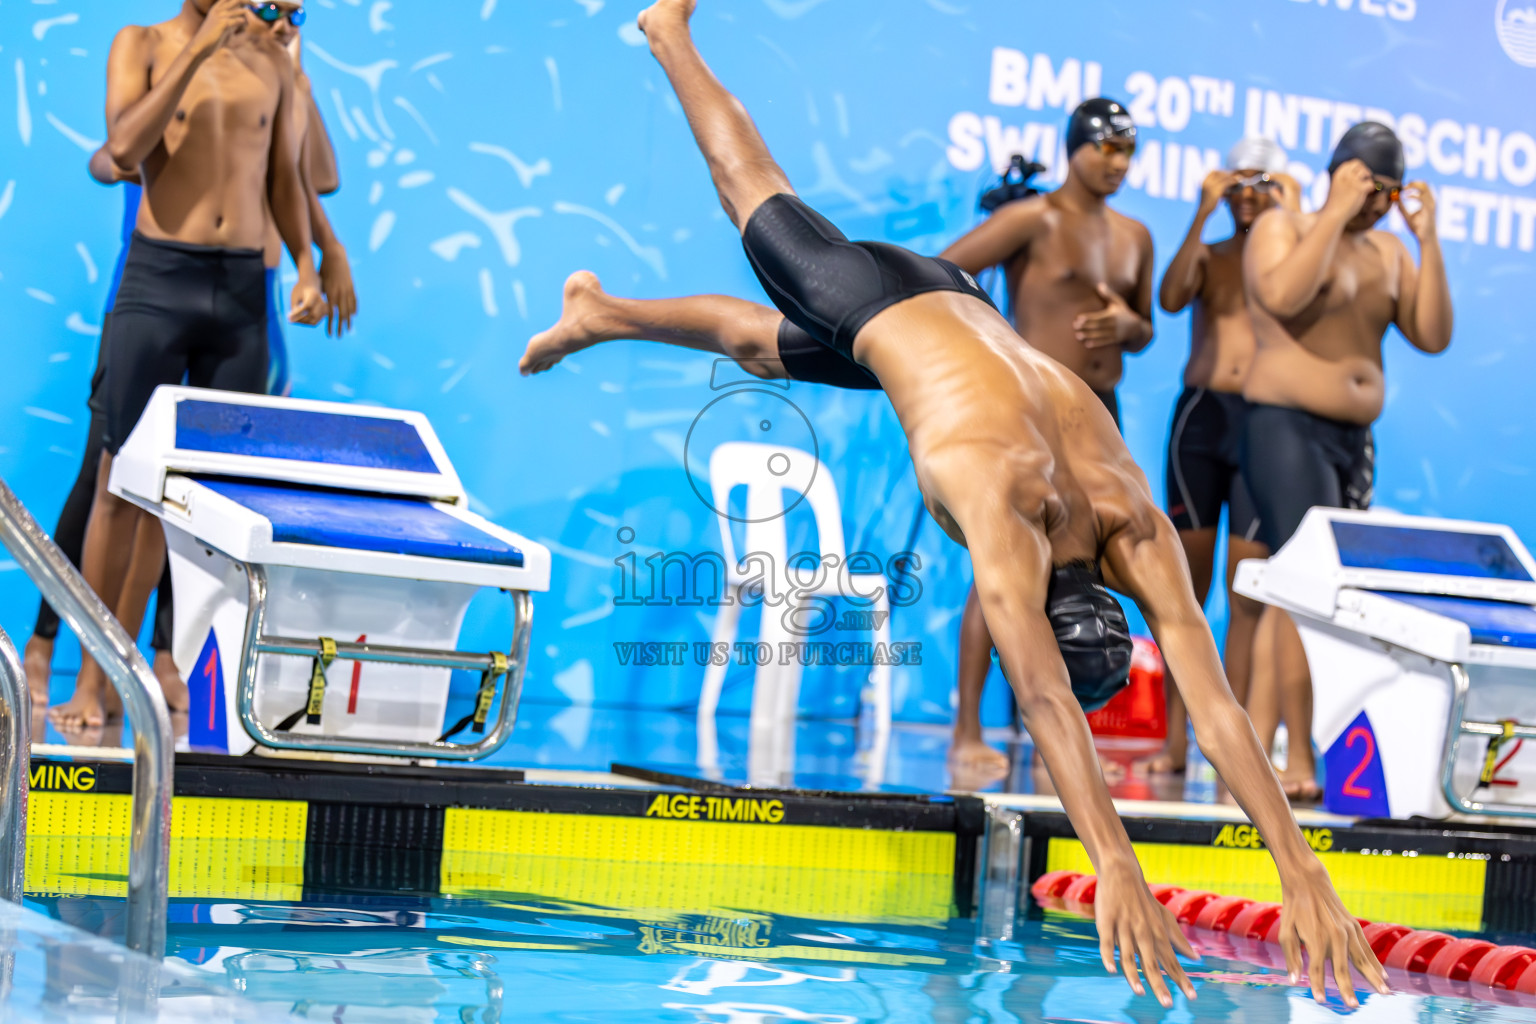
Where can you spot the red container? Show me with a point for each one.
(1163, 893)
(1186, 906)
(1457, 960)
(1219, 914)
(1053, 884)
(1255, 920)
(1383, 937)
(1504, 967)
(1415, 950)
(1140, 711)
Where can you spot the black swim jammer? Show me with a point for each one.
(190, 311)
(1294, 461)
(1205, 448)
(828, 288)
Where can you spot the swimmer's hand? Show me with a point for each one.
(1130, 919)
(1315, 919)
(1350, 189)
(340, 295)
(1421, 219)
(1213, 188)
(307, 304)
(1115, 324)
(224, 19)
(1287, 192)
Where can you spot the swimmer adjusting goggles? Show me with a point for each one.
(270, 12)
(1260, 182)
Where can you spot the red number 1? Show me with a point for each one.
(1359, 732)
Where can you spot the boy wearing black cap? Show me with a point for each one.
(1080, 276)
(1323, 289)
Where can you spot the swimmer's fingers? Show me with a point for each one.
(1154, 963)
(1365, 961)
(1126, 940)
(1107, 947)
(1339, 953)
(1290, 945)
(308, 305)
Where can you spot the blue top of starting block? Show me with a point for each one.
(365, 522)
(1492, 622)
(301, 435)
(1485, 556)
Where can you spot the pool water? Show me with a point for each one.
(411, 959)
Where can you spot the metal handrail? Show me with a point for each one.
(105, 640)
(16, 733)
(256, 643)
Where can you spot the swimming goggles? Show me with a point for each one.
(1392, 191)
(270, 12)
(1257, 182)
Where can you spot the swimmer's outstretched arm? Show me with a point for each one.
(1013, 560)
(1145, 561)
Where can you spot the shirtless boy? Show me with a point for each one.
(1323, 288)
(201, 109)
(1205, 442)
(1018, 459)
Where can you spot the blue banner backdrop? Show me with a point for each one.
(488, 149)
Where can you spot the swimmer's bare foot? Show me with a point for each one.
(38, 661)
(85, 710)
(1170, 760)
(177, 697)
(583, 323)
(1303, 790)
(665, 14)
(975, 764)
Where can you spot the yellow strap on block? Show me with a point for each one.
(1491, 759)
(487, 696)
(317, 680)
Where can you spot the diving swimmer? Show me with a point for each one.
(1018, 459)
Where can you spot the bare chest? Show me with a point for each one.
(1361, 281)
(1075, 254)
(233, 98)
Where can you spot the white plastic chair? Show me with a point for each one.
(767, 471)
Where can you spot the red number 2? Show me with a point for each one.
(1359, 732)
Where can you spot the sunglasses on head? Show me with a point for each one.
(270, 13)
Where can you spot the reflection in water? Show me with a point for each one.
(362, 959)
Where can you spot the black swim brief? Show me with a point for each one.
(829, 287)
(1205, 452)
(1294, 461)
(190, 311)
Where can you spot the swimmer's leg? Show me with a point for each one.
(744, 172)
(109, 542)
(743, 331)
(1242, 618)
(969, 752)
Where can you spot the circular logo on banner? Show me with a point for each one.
(1516, 25)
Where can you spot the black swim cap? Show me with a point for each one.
(1373, 144)
(1096, 120)
(1091, 633)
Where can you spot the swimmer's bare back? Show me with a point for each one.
(202, 109)
(981, 406)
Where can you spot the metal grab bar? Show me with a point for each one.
(257, 643)
(105, 640)
(16, 734)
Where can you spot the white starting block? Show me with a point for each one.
(322, 558)
(1419, 633)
